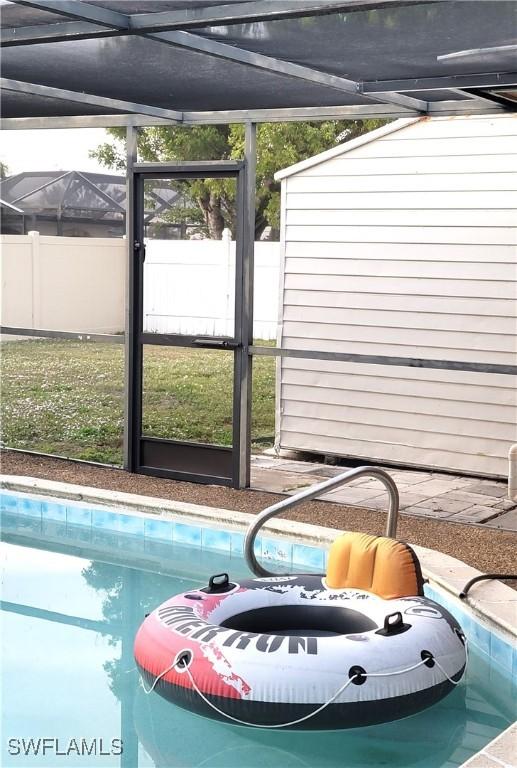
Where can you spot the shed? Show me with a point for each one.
(402, 243)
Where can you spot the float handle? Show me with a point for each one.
(219, 582)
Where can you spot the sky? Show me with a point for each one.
(53, 150)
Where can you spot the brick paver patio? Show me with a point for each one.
(429, 494)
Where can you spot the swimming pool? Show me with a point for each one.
(74, 594)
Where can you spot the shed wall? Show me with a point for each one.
(405, 246)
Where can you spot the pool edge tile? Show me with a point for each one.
(277, 550)
(29, 507)
(312, 557)
(216, 540)
(78, 516)
(158, 530)
(183, 533)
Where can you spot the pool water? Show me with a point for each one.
(70, 611)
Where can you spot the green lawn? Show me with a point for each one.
(66, 397)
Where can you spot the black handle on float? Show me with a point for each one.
(393, 625)
(214, 585)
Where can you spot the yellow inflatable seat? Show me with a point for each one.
(386, 567)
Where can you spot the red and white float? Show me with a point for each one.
(291, 652)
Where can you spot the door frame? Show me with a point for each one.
(141, 449)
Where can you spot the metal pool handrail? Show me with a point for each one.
(312, 493)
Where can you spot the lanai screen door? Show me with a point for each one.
(188, 374)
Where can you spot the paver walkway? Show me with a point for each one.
(430, 494)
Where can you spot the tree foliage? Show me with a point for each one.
(278, 146)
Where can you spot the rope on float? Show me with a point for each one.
(179, 661)
(156, 679)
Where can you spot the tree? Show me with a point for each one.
(4, 170)
(278, 146)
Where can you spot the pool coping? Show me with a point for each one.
(491, 602)
(498, 752)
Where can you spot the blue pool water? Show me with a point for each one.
(72, 600)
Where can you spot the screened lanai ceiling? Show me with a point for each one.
(116, 62)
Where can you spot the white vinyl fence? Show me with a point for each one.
(78, 284)
(189, 287)
(63, 283)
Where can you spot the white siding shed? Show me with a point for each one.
(403, 243)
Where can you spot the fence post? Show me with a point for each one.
(227, 259)
(35, 280)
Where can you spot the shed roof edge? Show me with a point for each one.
(347, 146)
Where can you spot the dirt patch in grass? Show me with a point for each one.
(487, 549)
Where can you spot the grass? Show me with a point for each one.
(66, 397)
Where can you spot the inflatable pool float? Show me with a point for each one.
(358, 646)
